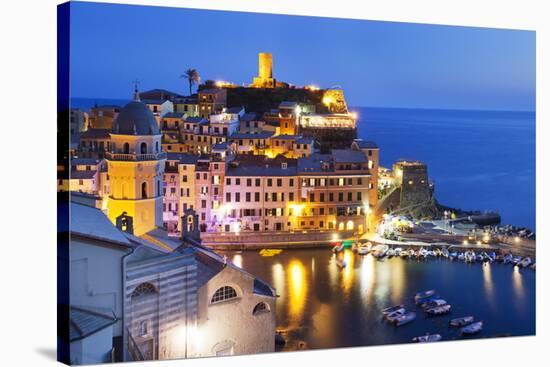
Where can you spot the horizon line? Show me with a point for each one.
(372, 106)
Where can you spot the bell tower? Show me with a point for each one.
(135, 166)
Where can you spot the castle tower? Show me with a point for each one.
(135, 165)
(265, 65)
(265, 72)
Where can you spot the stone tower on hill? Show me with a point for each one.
(265, 72)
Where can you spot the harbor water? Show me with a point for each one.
(321, 305)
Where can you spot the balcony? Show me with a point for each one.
(135, 157)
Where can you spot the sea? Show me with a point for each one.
(479, 160)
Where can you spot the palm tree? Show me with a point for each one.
(192, 76)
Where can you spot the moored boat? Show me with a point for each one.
(379, 251)
(516, 260)
(428, 338)
(391, 317)
(338, 248)
(472, 329)
(423, 295)
(525, 262)
(507, 258)
(461, 321)
(434, 303)
(439, 310)
(391, 309)
(405, 319)
(363, 250)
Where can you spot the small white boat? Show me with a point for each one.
(379, 251)
(428, 338)
(516, 260)
(472, 329)
(405, 319)
(398, 251)
(507, 259)
(363, 250)
(391, 317)
(424, 294)
(461, 256)
(534, 266)
(445, 253)
(338, 248)
(434, 303)
(423, 253)
(525, 262)
(391, 309)
(461, 321)
(390, 253)
(439, 310)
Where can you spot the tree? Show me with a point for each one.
(192, 76)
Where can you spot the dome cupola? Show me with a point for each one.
(135, 119)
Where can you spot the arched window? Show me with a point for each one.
(349, 225)
(223, 294)
(143, 148)
(260, 308)
(144, 288)
(144, 190)
(126, 149)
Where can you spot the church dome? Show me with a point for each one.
(135, 119)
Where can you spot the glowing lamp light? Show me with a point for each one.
(328, 100)
(335, 237)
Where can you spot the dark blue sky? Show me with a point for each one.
(377, 63)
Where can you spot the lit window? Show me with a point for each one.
(223, 294)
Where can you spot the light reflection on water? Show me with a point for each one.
(322, 305)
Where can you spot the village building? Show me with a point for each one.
(102, 116)
(212, 101)
(188, 105)
(143, 298)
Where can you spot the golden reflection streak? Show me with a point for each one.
(278, 276)
(488, 283)
(517, 283)
(368, 278)
(348, 271)
(297, 289)
(398, 280)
